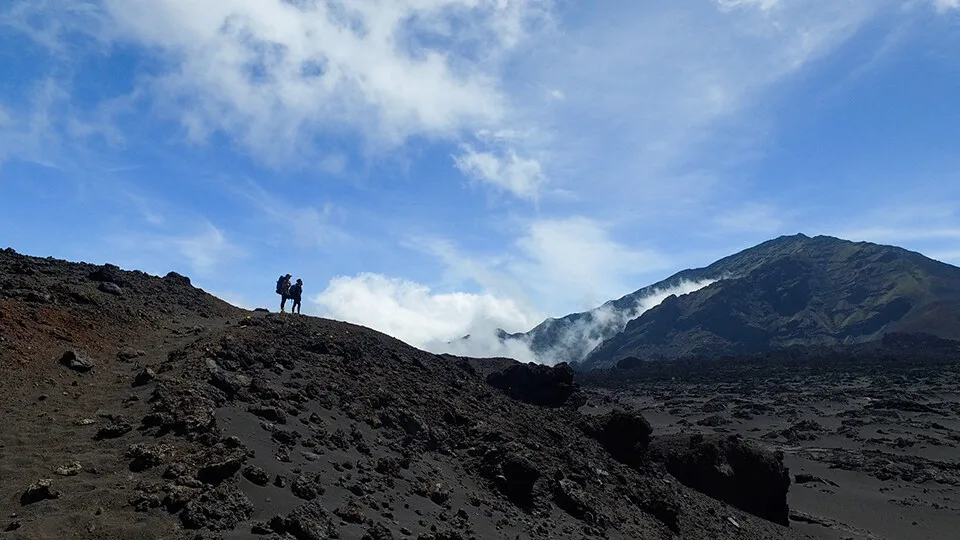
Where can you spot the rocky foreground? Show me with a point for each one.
(870, 433)
(141, 407)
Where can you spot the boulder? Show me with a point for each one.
(625, 435)
(107, 273)
(218, 510)
(179, 279)
(40, 491)
(110, 288)
(535, 383)
(77, 361)
(310, 521)
(513, 474)
(728, 469)
(144, 377)
(118, 427)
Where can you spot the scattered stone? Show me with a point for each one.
(351, 513)
(144, 377)
(145, 456)
(77, 361)
(118, 427)
(218, 509)
(40, 491)
(222, 469)
(513, 474)
(572, 498)
(378, 531)
(129, 354)
(72, 469)
(256, 475)
(110, 288)
(307, 488)
(13, 525)
(309, 521)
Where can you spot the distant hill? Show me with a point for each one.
(793, 290)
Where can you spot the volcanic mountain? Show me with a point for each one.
(142, 407)
(793, 290)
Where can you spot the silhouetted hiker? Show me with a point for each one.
(283, 289)
(295, 292)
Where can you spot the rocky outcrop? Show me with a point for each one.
(536, 384)
(624, 434)
(729, 469)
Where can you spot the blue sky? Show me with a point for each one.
(437, 167)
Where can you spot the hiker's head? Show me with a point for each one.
(299, 281)
(288, 276)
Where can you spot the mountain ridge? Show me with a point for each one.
(905, 282)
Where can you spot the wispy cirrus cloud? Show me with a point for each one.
(520, 176)
(203, 250)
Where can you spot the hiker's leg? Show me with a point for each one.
(283, 302)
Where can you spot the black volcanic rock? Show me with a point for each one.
(625, 435)
(535, 384)
(728, 469)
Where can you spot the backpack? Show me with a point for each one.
(280, 285)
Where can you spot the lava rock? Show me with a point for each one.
(728, 469)
(179, 279)
(41, 491)
(378, 532)
(218, 510)
(224, 468)
(72, 469)
(535, 383)
(145, 456)
(514, 475)
(306, 488)
(107, 273)
(572, 498)
(77, 361)
(144, 377)
(624, 434)
(118, 427)
(256, 475)
(310, 521)
(110, 288)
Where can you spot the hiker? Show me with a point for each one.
(295, 292)
(283, 289)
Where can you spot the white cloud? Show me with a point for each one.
(588, 332)
(574, 263)
(521, 177)
(662, 99)
(204, 251)
(761, 4)
(273, 73)
(945, 5)
(415, 314)
(303, 226)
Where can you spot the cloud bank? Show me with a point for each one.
(440, 322)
